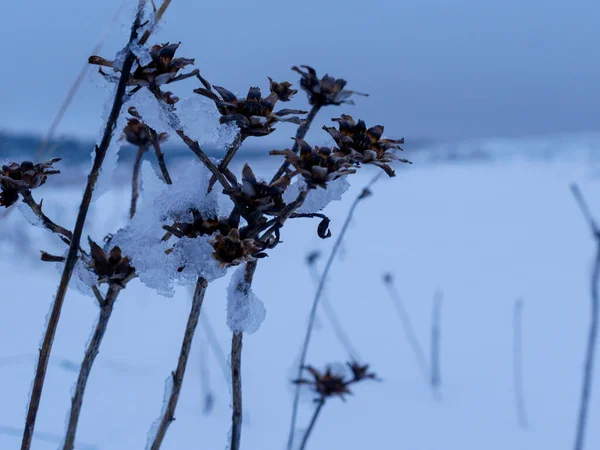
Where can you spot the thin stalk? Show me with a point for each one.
(588, 372)
(160, 157)
(135, 182)
(223, 165)
(313, 313)
(88, 361)
(216, 347)
(436, 376)
(518, 364)
(315, 416)
(334, 320)
(236, 384)
(42, 366)
(236, 366)
(300, 133)
(208, 395)
(36, 208)
(168, 414)
(409, 331)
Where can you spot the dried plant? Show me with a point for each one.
(331, 384)
(203, 239)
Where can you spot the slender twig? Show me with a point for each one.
(313, 312)
(88, 361)
(334, 320)
(216, 347)
(38, 383)
(223, 165)
(36, 208)
(588, 373)
(320, 403)
(160, 158)
(300, 133)
(207, 392)
(236, 384)
(409, 331)
(158, 15)
(135, 181)
(436, 376)
(518, 364)
(168, 415)
(236, 365)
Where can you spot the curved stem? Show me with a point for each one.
(315, 416)
(101, 149)
(168, 415)
(313, 312)
(160, 157)
(36, 208)
(91, 352)
(135, 182)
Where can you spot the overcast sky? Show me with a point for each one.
(434, 68)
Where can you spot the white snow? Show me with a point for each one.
(245, 311)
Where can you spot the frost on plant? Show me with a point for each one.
(245, 311)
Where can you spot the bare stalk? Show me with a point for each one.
(236, 366)
(315, 416)
(409, 331)
(216, 347)
(223, 165)
(588, 373)
(160, 157)
(336, 324)
(518, 363)
(135, 182)
(38, 383)
(168, 415)
(91, 352)
(36, 208)
(236, 384)
(436, 376)
(300, 133)
(313, 312)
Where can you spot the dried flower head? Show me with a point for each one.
(360, 371)
(324, 91)
(317, 165)
(139, 134)
(17, 178)
(261, 197)
(162, 69)
(326, 384)
(199, 226)
(283, 90)
(114, 268)
(231, 250)
(362, 145)
(253, 114)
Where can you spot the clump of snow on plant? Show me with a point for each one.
(160, 264)
(28, 215)
(201, 122)
(319, 198)
(245, 311)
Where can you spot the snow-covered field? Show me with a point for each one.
(486, 234)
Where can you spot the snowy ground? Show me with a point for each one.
(485, 234)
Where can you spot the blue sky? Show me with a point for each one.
(433, 68)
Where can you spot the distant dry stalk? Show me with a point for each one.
(135, 182)
(518, 363)
(436, 376)
(588, 373)
(409, 331)
(236, 367)
(106, 308)
(42, 366)
(216, 347)
(168, 415)
(335, 321)
(313, 312)
(315, 416)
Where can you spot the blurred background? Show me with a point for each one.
(499, 104)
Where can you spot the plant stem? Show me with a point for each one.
(216, 347)
(36, 208)
(300, 133)
(315, 416)
(518, 363)
(335, 321)
(588, 373)
(231, 151)
(168, 414)
(91, 352)
(160, 157)
(236, 384)
(42, 366)
(135, 183)
(409, 331)
(236, 366)
(313, 312)
(436, 377)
